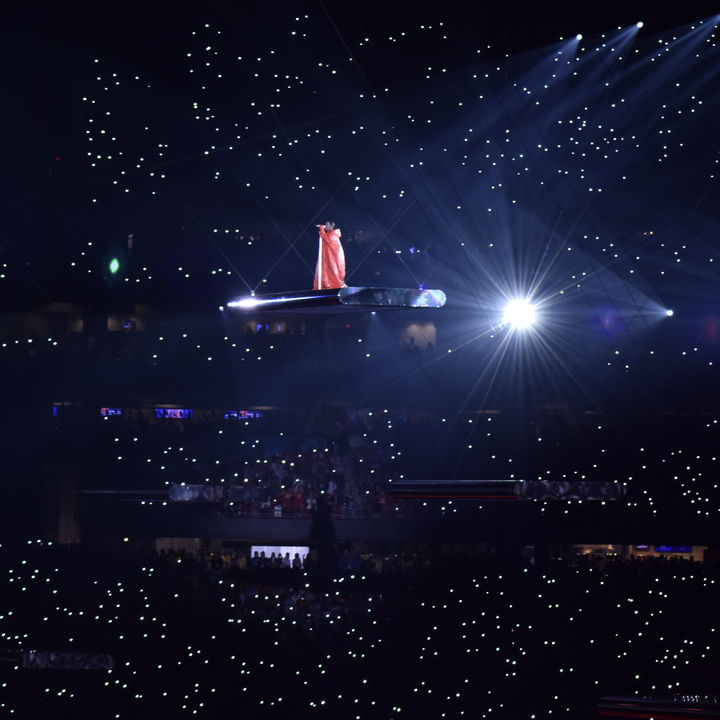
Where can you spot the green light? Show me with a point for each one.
(114, 265)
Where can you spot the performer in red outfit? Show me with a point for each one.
(331, 259)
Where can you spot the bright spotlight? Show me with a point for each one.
(578, 36)
(640, 24)
(250, 302)
(669, 313)
(519, 313)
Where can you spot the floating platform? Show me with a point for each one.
(341, 300)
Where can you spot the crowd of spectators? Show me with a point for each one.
(248, 343)
(261, 468)
(467, 633)
(240, 565)
(282, 462)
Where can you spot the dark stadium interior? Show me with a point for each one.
(442, 506)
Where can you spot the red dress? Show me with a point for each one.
(333, 261)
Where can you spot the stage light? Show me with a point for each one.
(669, 313)
(221, 308)
(578, 36)
(245, 303)
(639, 25)
(519, 313)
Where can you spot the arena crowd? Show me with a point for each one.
(443, 635)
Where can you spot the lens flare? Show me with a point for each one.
(519, 313)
